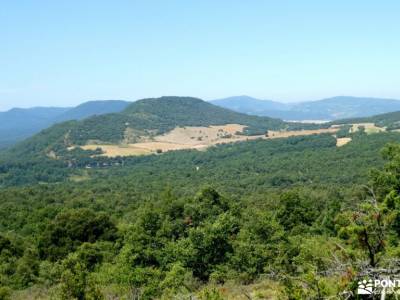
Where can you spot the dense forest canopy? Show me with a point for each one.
(286, 218)
(111, 237)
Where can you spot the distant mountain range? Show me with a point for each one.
(91, 108)
(143, 118)
(20, 123)
(329, 109)
(142, 121)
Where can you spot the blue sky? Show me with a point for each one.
(66, 52)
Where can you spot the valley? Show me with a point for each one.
(134, 165)
(27, 122)
(201, 201)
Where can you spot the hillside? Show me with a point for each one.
(166, 113)
(149, 126)
(18, 124)
(143, 119)
(26, 122)
(207, 223)
(326, 109)
(211, 224)
(389, 120)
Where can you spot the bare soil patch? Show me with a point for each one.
(342, 141)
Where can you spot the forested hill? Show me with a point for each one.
(145, 117)
(18, 124)
(160, 115)
(168, 112)
(389, 120)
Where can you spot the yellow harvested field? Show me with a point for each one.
(285, 134)
(342, 141)
(166, 146)
(180, 138)
(117, 150)
(201, 135)
(198, 138)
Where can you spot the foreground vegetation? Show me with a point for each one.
(289, 218)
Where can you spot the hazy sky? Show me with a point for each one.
(66, 52)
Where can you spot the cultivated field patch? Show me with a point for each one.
(117, 150)
(194, 137)
(342, 141)
(180, 138)
(285, 134)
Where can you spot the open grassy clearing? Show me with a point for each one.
(195, 137)
(284, 134)
(202, 135)
(117, 150)
(198, 138)
(79, 178)
(369, 128)
(342, 141)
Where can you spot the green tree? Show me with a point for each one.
(76, 281)
(72, 228)
(208, 246)
(296, 211)
(257, 245)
